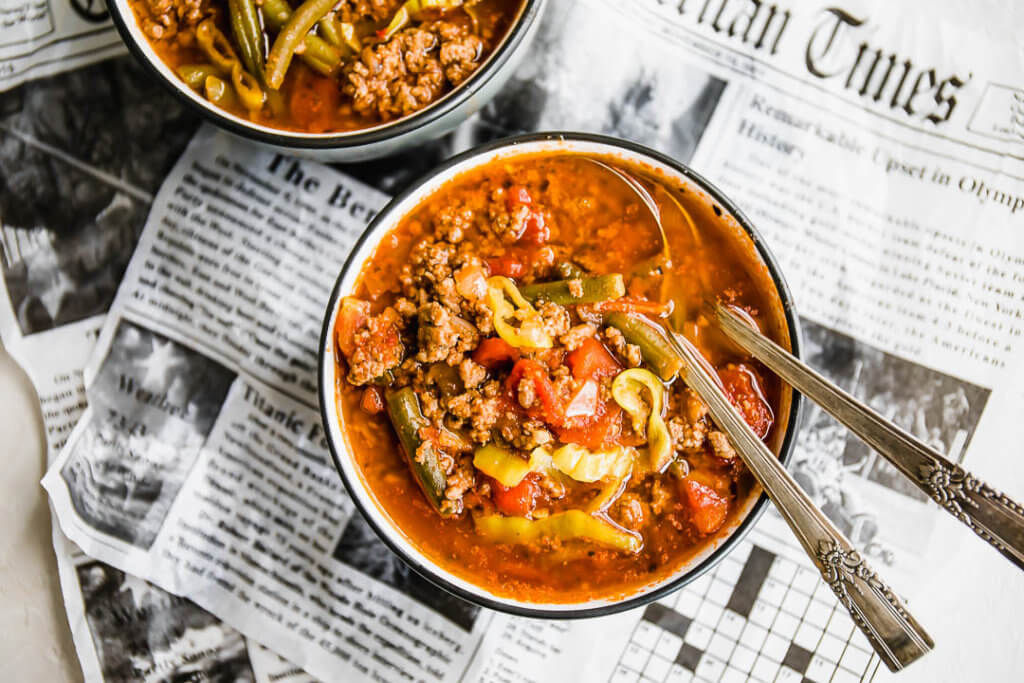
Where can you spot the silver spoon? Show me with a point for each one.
(893, 633)
(987, 512)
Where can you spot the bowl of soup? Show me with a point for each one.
(498, 392)
(340, 80)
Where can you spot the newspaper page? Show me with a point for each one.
(756, 96)
(43, 37)
(61, 264)
(201, 458)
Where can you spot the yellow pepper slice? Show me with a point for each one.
(568, 525)
(411, 8)
(627, 390)
(216, 46)
(507, 468)
(505, 301)
(587, 466)
(247, 88)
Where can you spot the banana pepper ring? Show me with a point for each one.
(505, 302)
(566, 526)
(575, 461)
(627, 390)
(216, 46)
(506, 467)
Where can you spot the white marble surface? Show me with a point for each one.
(36, 643)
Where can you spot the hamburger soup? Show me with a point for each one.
(320, 66)
(507, 400)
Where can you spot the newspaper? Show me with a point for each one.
(828, 125)
(44, 37)
(62, 262)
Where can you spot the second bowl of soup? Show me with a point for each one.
(498, 393)
(338, 79)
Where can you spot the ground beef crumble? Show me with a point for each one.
(443, 336)
(572, 339)
(720, 444)
(629, 511)
(471, 374)
(691, 424)
(460, 50)
(377, 348)
(556, 318)
(168, 19)
(628, 353)
(506, 223)
(413, 68)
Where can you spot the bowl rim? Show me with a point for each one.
(122, 15)
(613, 606)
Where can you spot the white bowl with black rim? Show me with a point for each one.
(631, 155)
(429, 123)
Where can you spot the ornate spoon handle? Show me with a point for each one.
(989, 513)
(893, 633)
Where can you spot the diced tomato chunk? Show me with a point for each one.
(547, 406)
(536, 231)
(707, 509)
(517, 194)
(602, 430)
(493, 352)
(371, 401)
(508, 266)
(517, 501)
(744, 389)
(592, 361)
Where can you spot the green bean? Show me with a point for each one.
(654, 347)
(570, 271)
(591, 290)
(322, 68)
(338, 34)
(292, 34)
(320, 50)
(277, 103)
(195, 74)
(241, 41)
(404, 411)
(247, 88)
(317, 53)
(245, 25)
(219, 92)
(329, 29)
(216, 46)
(276, 13)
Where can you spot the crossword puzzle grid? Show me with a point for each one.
(756, 617)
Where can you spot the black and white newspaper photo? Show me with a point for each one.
(43, 37)
(62, 264)
(165, 282)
